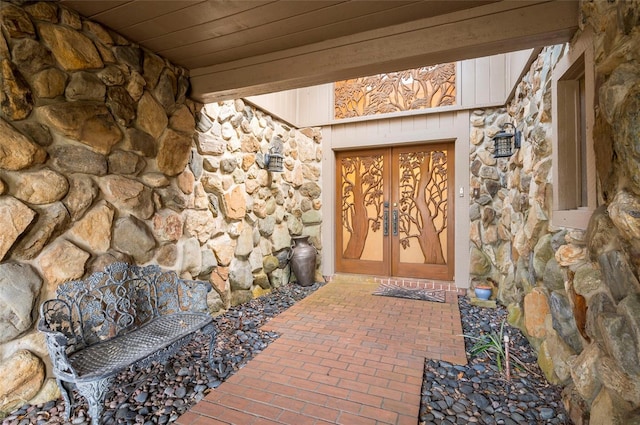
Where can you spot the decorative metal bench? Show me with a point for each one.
(125, 316)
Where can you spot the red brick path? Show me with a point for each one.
(344, 357)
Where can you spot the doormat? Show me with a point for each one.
(391, 290)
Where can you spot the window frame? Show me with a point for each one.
(568, 115)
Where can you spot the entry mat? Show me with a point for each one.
(392, 290)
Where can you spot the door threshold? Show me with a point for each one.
(406, 282)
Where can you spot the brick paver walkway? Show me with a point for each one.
(344, 357)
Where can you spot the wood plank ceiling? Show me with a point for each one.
(235, 48)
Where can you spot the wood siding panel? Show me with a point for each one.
(497, 79)
(482, 77)
(315, 103)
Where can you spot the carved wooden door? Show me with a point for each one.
(395, 212)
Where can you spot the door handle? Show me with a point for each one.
(385, 220)
(394, 223)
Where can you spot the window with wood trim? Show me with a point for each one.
(574, 179)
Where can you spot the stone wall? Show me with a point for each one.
(100, 160)
(574, 293)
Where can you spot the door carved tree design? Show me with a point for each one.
(423, 202)
(362, 200)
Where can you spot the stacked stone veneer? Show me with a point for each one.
(574, 293)
(100, 160)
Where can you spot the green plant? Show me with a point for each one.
(491, 345)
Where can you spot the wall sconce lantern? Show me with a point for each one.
(274, 161)
(506, 143)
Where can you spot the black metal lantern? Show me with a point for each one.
(506, 143)
(274, 161)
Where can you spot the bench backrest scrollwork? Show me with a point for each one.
(121, 298)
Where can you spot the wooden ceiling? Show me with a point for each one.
(236, 48)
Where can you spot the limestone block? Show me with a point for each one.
(536, 309)
(151, 116)
(155, 180)
(78, 159)
(123, 162)
(244, 245)
(239, 297)
(552, 277)
(127, 195)
(587, 279)
(17, 100)
(174, 151)
(21, 377)
(30, 56)
(82, 192)
(85, 122)
(39, 187)
(37, 132)
(140, 142)
(569, 255)
(130, 56)
(167, 225)
(182, 120)
(52, 221)
(16, 21)
(166, 89)
(199, 224)
(480, 264)
(71, 49)
(153, 66)
(94, 229)
(209, 263)
(240, 276)
(135, 85)
(132, 237)
(630, 309)
(85, 86)
(121, 105)
(598, 303)
(563, 320)
(19, 289)
(167, 255)
(602, 234)
(191, 257)
(224, 249)
(618, 275)
(546, 363)
(542, 253)
(584, 372)
(234, 203)
(618, 341)
(186, 181)
(15, 217)
(62, 261)
(624, 211)
(49, 391)
(618, 380)
(19, 151)
(607, 409)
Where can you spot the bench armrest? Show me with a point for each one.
(57, 344)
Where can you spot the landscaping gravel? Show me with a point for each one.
(479, 393)
(451, 394)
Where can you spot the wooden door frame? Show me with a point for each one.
(388, 267)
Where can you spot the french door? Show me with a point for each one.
(394, 211)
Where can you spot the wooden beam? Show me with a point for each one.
(482, 31)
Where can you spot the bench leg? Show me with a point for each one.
(94, 392)
(67, 396)
(210, 330)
